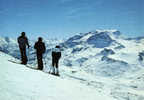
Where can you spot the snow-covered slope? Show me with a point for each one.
(22, 83)
(18, 82)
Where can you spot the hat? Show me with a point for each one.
(23, 33)
(40, 39)
(57, 46)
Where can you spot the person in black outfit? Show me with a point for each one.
(23, 42)
(40, 50)
(56, 55)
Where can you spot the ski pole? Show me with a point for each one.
(28, 55)
(45, 60)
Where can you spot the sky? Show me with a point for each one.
(64, 18)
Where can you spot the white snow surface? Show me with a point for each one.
(18, 82)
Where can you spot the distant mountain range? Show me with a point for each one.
(101, 52)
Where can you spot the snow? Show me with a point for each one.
(21, 83)
(87, 72)
(86, 37)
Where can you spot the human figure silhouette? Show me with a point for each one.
(56, 55)
(40, 50)
(23, 42)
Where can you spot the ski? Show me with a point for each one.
(27, 65)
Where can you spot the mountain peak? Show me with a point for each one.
(98, 38)
(110, 31)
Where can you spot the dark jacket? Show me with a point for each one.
(22, 41)
(56, 53)
(40, 47)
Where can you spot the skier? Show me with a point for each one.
(23, 42)
(56, 55)
(40, 50)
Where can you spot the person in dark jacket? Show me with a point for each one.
(56, 55)
(23, 42)
(40, 50)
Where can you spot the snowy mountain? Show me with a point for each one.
(101, 59)
(102, 52)
(87, 50)
(9, 46)
(98, 39)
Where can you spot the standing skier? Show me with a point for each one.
(23, 42)
(56, 55)
(40, 49)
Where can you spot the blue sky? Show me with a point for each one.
(63, 18)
